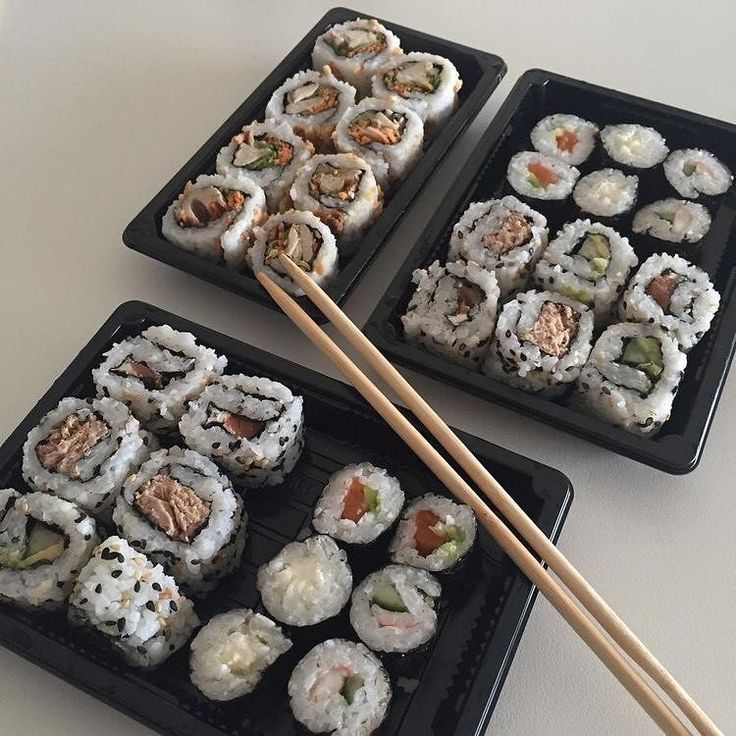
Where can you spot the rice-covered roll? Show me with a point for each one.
(673, 220)
(394, 609)
(386, 133)
(673, 293)
(231, 653)
(588, 262)
(312, 102)
(340, 688)
(252, 426)
(541, 177)
(268, 154)
(606, 193)
(358, 504)
(566, 137)
(44, 542)
(356, 50)
(501, 235)
(305, 239)
(428, 84)
(156, 373)
(214, 217)
(541, 343)
(83, 450)
(183, 513)
(632, 376)
(693, 172)
(306, 582)
(434, 533)
(133, 604)
(634, 145)
(342, 191)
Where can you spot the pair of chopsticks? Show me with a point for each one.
(579, 594)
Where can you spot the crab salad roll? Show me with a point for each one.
(634, 145)
(606, 193)
(673, 220)
(693, 172)
(565, 137)
(541, 177)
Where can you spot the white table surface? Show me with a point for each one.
(101, 102)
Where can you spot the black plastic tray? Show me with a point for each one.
(448, 689)
(481, 72)
(678, 447)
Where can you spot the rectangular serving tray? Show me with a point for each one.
(679, 445)
(480, 71)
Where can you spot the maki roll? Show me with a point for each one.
(394, 609)
(356, 50)
(565, 137)
(434, 534)
(269, 154)
(673, 220)
(386, 133)
(634, 145)
(342, 191)
(632, 376)
(44, 542)
(541, 177)
(606, 193)
(673, 293)
(358, 504)
(305, 239)
(588, 262)
(427, 83)
(253, 427)
(214, 217)
(541, 343)
(306, 582)
(184, 514)
(452, 311)
(83, 450)
(231, 653)
(312, 102)
(504, 236)
(156, 373)
(133, 604)
(693, 172)
(340, 688)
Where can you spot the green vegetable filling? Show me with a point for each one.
(532, 179)
(387, 597)
(454, 536)
(597, 250)
(372, 499)
(350, 687)
(44, 545)
(266, 160)
(580, 295)
(645, 354)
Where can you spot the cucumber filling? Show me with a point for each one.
(644, 354)
(43, 546)
(387, 597)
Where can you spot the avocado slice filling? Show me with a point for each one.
(596, 249)
(43, 545)
(372, 499)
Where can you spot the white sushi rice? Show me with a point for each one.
(673, 220)
(553, 131)
(634, 145)
(606, 193)
(527, 184)
(693, 172)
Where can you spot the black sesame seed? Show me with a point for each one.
(141, 650)
(215, 445)
(173, 606)
(116, 573)
(121, 625)
(157, 587)
(151, 606)
(137, 586)
(98, 588)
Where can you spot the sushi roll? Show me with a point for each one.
(395, 609)
(541, 177)
(386, 133)
(356, 50)
(340, 688)
(588, 262)
(434, 534)
(673, 220)
(504, 236)
(634, 145)
(452, 311)
(269, 154)
(156, 373)
(252, 426)
(133, 604)
(671, 292)
(306, 582)
(305, 239)
(183, 513)
(606, 193)
(44, 542)
(342, 191)
(312, 102)
(427, 83)
(83, 450)
(214, 217)
(632, 376)
(693, 172)
(358, 504)
(565, 137)
(231, 653)
(541, 343)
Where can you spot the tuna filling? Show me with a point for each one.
(469, 295)
(150, 378)
(515, 231)
(200, 206)
(359, 499)
(414, 76)
(300, 242)
(310, 99)
(377, 126)
(663, 287)
(256, 154)
(554, 330)
(238, 425)
(350, 43)
(335, 187)
(69, 443)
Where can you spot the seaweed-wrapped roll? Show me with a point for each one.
(673, 220)
(606, 193)
(634, 145)
(693, 172)
(566, 137)
(538, 176)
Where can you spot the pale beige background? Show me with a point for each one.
(100, 102)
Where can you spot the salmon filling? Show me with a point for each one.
(414, 76)
(151, 379)
(310, 99)
(69, 443)
(333, 186)
(566, 140)
(377, 126)
(350, 43)
(426, 538)
(554, 330)
(663, 287)
(238, 425)
(515, 231)
(469, 295)
(359, 499)
(256, 154)
(541, 176)
(299, 241)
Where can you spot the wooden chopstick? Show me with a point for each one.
(558, 563)
(507, 540)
